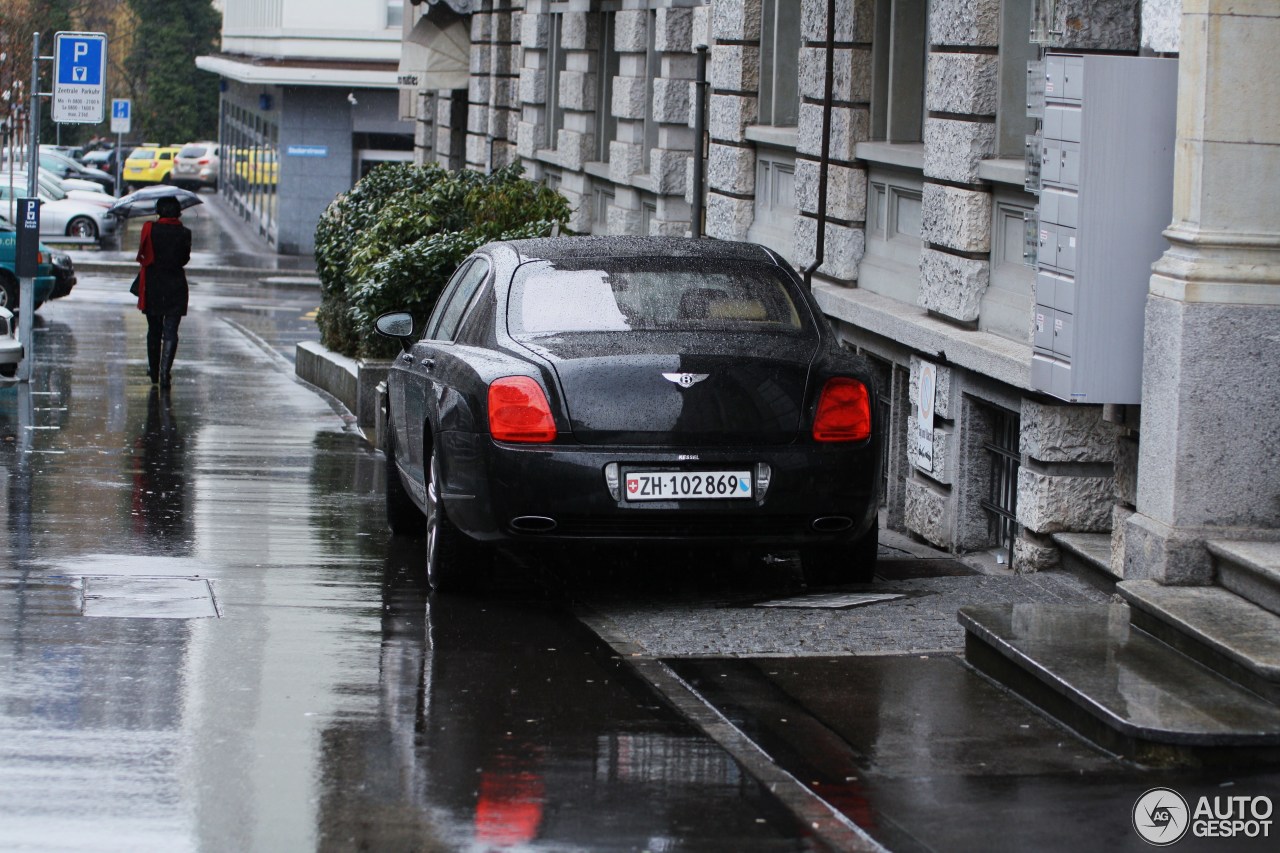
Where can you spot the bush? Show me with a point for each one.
(393, 240)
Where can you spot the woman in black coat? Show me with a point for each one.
(163, 251)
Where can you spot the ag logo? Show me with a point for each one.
(1161, 817)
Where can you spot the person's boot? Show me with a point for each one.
(153, 361)
(168, 349)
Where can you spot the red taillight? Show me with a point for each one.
(154, 164)
(203, 161)
(844, 411)
(519, 411)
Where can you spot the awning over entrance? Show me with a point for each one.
(436, 57)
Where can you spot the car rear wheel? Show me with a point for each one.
(403, 516)
(455, 561)
(8, 292)
(854, 562)
(82, 226)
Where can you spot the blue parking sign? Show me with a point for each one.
(80, 60)
(79, 77)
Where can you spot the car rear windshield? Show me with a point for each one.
(651, 294)
(193, 151)
(142, 154)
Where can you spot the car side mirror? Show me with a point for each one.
(398, 325)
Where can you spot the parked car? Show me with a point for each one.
(65, 188)
(65, 167)
(61, 216)
(64, 274)
(629, 390)
(196, 166)
(10, 349)
(10, 292)
(106, 159)
(146, 166)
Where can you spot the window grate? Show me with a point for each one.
(1002, 492)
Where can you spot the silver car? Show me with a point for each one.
(196, 166)
(61, 216)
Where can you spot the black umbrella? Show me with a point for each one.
(143, 202)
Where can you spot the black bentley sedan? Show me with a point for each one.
(629, 390)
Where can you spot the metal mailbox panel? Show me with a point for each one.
(1042, 333)
(1060, 386)
(1064, 294)
(1066, 249)
(1063, 333)
(1042, 373)
(1047, 255)
(1050, 161)
(1069, 169)
(1046, 292)
(1073, 78)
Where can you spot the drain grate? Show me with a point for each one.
(833, 600)
(149, 597)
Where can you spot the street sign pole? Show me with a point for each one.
(121, 120)
(27, 283)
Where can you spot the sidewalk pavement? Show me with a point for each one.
(224, 245)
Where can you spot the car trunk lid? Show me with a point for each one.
(681, 388)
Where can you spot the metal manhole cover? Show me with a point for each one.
(149, 597)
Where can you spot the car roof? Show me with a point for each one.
(588, 247)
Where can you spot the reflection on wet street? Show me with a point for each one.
(208, 640)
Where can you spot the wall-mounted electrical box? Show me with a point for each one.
(1106, 196)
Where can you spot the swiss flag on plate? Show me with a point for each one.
(633, 486)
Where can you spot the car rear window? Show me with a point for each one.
(143, 154)
(193, 151)
(650, 294)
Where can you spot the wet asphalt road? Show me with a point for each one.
(208, 641)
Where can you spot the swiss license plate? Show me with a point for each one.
(687, 485)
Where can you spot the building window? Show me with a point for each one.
(601, 201)
(607, 68)
(1008, 301)
(648, 213)
(898, 70)
(652, 68)
(555, 66)
(1001, 504)
(1016, 50)
(779, 64)
(775, 205)
(891, 264)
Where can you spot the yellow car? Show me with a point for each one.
(256, 167)
(149, 165)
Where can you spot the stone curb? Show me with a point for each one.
(273, 276)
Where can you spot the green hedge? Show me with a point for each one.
(393, 240)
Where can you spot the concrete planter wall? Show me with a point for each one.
(353, 382)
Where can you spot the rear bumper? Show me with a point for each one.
(551, 493)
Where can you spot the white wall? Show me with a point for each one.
(310, 29)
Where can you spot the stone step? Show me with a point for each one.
(1250, 570)
(1227, 633)
(1088, 556)
(1118, 686)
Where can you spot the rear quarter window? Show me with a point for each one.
(652, 295)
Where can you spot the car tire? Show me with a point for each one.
(8, 371)
(82, 226)
(403, 516)
(832, 565)
(9, 292)
(456, 563)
